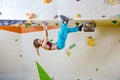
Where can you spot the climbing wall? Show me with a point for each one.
(86, 56)
(10, 56)
(83, 58)
(75, 9)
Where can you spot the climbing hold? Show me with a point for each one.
(119, 41)
(56, 16)
(114, 22)
(112, 2)
(52, 78)
(68, 53)
(90, 41)
(118, 24)
(17, 25)
(89, 26)
(77, 23)
(90, 79)
(27, 25)
(72, 46)
(0, 13)
(35, 25)
(43, 75)
(16, 40)
(96, 69)
(77, 0)
(103, 16)
(77, 15)
(20, 55)
(51, 40)
(56, 24)
(30, 15)
(47, 1)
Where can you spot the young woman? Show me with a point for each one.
(62, 36)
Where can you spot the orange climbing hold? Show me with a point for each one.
(47, 1)
(30, 15)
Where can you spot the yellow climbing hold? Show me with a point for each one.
(90, 41)
(113, 2)
(47, 1)
(68, 53)
(77, 15)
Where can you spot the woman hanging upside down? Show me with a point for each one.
(62, 36)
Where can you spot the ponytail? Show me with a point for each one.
(36, 45)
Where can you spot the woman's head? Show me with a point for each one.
(37, 43)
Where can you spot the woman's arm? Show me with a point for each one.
(46, 32)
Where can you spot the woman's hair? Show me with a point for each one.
(36, 45)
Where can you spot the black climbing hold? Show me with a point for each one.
(114, 22)
(96, 69)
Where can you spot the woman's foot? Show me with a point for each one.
(79, 26)
(64, 18)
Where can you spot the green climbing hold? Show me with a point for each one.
(56, 24)
(114, 22)
(42, 74)
(51, 40)
(16, 40)
(72, 46)
(26, 26)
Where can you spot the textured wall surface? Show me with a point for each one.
(92, 9)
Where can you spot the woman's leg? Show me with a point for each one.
(64, 25)
(73, 29)
(76, 28)
(62, 34)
